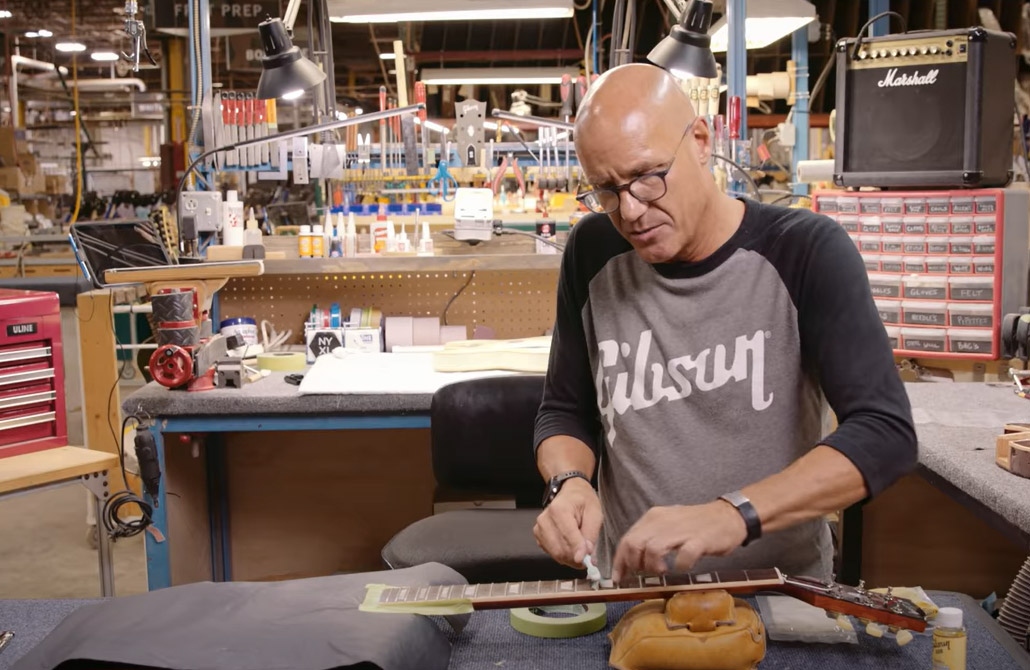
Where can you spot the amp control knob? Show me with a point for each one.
(935, 50)
(924, 50)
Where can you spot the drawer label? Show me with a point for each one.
(971, 320)
(924, 345)
(925, 318)
(20, 329)
(970, 346)
(925, 292)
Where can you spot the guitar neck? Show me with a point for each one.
(570, 591)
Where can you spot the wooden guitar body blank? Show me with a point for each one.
(698, 630)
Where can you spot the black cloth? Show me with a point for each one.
(308, 624)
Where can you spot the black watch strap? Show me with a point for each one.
(557, 482)
(747, 510)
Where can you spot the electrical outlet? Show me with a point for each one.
(205, 207)
(787, 133)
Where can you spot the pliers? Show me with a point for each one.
(509, 159)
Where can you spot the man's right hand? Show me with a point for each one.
(569, 527)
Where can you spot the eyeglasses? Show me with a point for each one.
(645, 188)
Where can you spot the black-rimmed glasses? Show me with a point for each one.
(645, 188)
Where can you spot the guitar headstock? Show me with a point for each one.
(857, 601)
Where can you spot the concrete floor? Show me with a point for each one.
(44, 551)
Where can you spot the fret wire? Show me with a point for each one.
(664, 583)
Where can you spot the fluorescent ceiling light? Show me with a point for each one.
(31, 34)
(6, 14)
(396, 11)
(767, 21)
(497, 75)
(104, 56)
(70, 47)
(45, 33)
(388, 55)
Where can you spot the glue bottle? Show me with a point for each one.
(232, 223)
(317, 241)
(350, 238)
(425, 241)
(336, 240)
(327, 233)
(949, 640)
(252, 235)
(304, 241)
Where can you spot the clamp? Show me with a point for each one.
(137, 32)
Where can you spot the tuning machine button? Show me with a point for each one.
(874, 629)
(844, 623)
(903, 637)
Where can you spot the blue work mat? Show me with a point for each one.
(490, 643)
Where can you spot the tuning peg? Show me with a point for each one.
(861, 585)
(903, 637)
(844, 623)
(873, 629)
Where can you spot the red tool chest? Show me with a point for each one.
(32, 414)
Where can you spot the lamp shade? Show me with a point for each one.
(686, 51)
(285, 72)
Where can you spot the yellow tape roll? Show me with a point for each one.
(527, 621)
(282, 361)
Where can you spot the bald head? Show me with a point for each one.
(631, 99)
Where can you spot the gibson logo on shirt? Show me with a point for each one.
(708, 370)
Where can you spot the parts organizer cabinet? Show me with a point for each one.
(32, 413)
(944, 266)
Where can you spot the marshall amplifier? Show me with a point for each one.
(931, 108)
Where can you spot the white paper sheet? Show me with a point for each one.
(359, 373)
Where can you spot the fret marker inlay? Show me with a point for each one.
(705, 577)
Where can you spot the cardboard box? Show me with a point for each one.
(57, 184)
(12, 143)
(13, 179)
(28, 164)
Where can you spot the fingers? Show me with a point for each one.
(591, 525)
(552, 534)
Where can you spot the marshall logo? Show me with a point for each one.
(706, 371)
(915, 79)
(19, 329)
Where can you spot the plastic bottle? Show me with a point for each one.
(425, 241)
(317, 241)
(336, 241)
(949, 640)
(350, 238)
(327, 234)
(252, 235)
(304, 241)
(232, 221)
(379, 231)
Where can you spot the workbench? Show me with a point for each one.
(489, 642)
(956, 424)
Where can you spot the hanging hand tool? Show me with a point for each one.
(439, 184)
(509, 159)
(420, 98)
(383, 161)
(566, 113)
(137, 32)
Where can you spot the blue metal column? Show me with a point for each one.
(799, 52)
(736, 80)
(882, 26)
(202, 90)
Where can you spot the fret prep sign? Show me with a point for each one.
(22, 329)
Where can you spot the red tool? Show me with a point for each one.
(171, 366)
(509, 159)
(735, 117)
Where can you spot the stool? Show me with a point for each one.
(61, 466)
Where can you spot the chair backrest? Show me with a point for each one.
(482, 437)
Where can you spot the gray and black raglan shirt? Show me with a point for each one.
(691, 380)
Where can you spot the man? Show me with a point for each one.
(693, 335)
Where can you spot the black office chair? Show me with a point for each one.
(482, 443)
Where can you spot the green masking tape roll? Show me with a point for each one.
(528, 621)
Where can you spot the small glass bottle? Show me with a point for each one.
(949, 640)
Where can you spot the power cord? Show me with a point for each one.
(472, 275)
(871, 21)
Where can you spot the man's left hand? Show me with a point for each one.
(687, 531)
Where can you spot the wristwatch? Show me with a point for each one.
(747, 510)
(557, 482)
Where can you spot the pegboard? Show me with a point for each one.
(517, 303)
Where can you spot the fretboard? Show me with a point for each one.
(521, 594)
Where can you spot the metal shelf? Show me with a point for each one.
(442, 263)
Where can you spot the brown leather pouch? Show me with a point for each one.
(700, 630)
